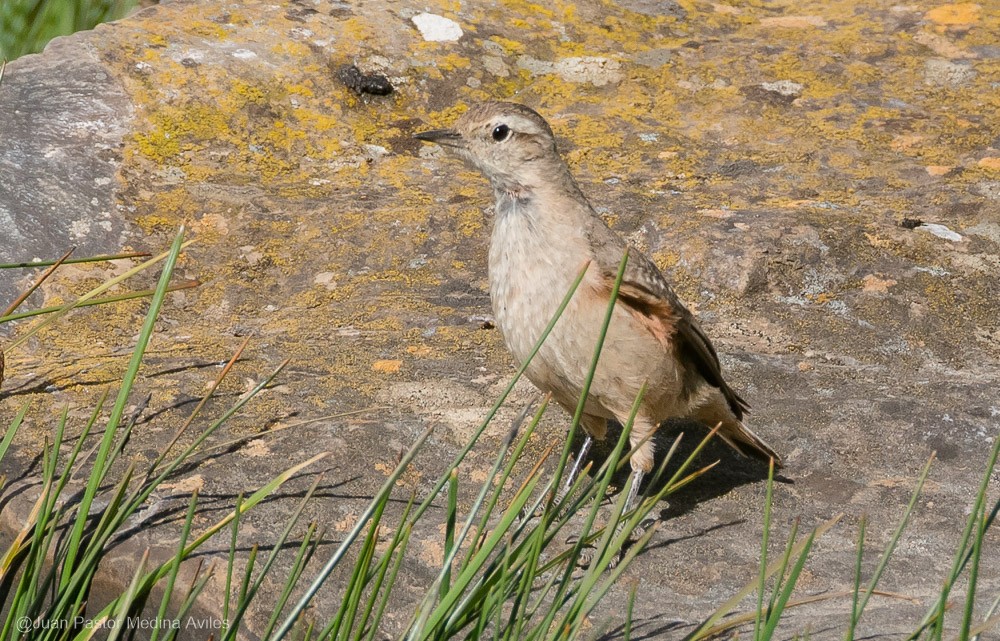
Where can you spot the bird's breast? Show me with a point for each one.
(531, 268)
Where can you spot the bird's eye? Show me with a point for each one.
(501, 133)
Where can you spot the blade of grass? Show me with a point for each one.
(598, 347)
(356, 584)
(935, 616)
(198, 582)
(175, 566)
(38, 283)
(989, 615)
(197, 409)
(126, 388)
(762, 576)
(380, 575)
(970, 594)
(785, 559)
(858, 559)
(449, 529)
(310, 541)
(11, 432)
(170, 255)
(701, 632)
(117, 298)
(74, 261)
(334, 560)
(738, 620)
(503, 396)
(391, 581)
(775, 613)
(859, 608)
(266, 490)
(435, 616)
(231, 559)
(128, 599)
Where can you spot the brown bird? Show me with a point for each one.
(544, 231)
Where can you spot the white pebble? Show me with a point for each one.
(435, 28)
(940, 231)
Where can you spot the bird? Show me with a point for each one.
(544, 232)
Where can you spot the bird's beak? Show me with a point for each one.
(445, 137)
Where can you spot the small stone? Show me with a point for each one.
(435, 28)
(939, 71)
(940, 231)
(783, 87)
(794, 22)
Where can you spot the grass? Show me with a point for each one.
(506, 573)
(26, 26)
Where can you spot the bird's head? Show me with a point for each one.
(509, 143)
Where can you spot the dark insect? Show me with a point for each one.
(361, 83)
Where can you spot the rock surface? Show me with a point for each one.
(821, 183)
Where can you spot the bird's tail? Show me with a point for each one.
(739, 437)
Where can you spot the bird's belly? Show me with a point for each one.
(526, 294)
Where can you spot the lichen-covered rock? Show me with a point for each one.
(767, 157)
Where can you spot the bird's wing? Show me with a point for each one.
(645, 290)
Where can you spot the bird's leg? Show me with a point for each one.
(633, 492)
(568, 480)
(575, 470)
(630, 503)
(587, 554)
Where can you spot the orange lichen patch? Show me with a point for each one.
(421, 351)
(963, 13)
(387, 366)
(938, 170)
(992, 163)
(875, 285)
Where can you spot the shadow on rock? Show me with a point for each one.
(732, 470)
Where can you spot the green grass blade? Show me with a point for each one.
(231, 559)
(175, 565)
(706, 628)
(74, 261)
(270, 487)
(856, 594)
(334, 560)
(11, 432)
(248, 595)
(774, 614)
(891, 546)
(126, 388)
(598, 347)
(197, 586)
(170, 255)
(390, 581)
(449, 530)
(310, 541)
(34, 286)
(970, 594)
(935, 616)
(785, 559)
(434, 492)
(128, 599)
(762, 576)
(104, 300)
